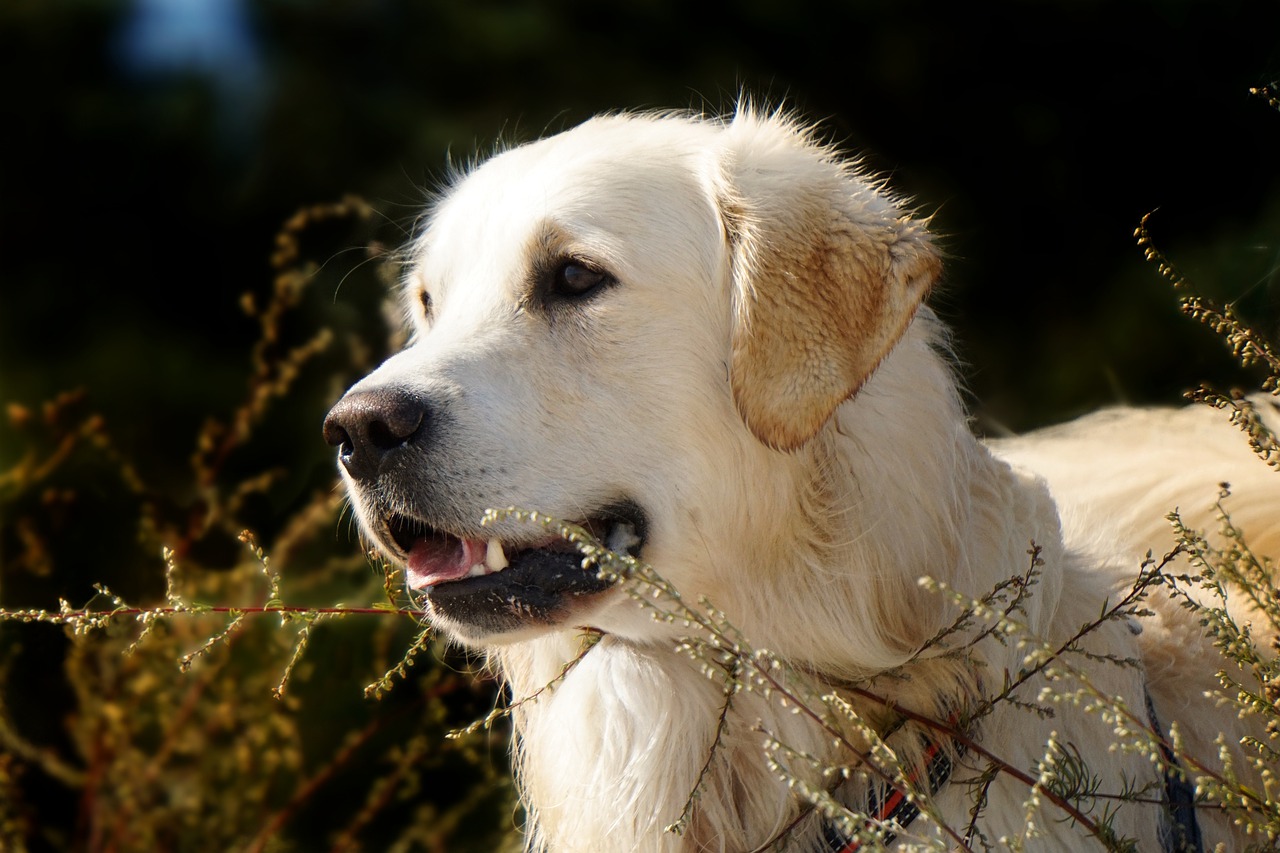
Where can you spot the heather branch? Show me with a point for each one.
(1267, 94)
(96, 619)
(589, 641)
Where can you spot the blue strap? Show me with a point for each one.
(1181, 831)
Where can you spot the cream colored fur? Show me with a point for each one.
(763, 383)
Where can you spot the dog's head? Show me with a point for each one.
(624, 325)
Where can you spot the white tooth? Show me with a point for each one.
(494, 558)
(476, 571)
(621, 537)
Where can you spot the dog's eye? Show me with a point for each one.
(574, 280)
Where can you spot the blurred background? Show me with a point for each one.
(197, 198)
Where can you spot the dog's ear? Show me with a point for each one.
(827, 274)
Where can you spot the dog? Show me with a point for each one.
(704, 343)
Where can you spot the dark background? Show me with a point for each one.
(148, 159)
(147, 168)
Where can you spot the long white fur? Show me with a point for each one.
(815, 553)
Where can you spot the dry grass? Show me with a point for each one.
(234, 710)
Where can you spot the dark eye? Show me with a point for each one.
(573, 280)
(425, 299)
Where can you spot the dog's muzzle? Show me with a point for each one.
(482, 582)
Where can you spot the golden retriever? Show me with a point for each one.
(704, 341)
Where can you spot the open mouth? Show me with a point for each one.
(489, 587)
(434, 559)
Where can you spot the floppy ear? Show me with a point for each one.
(827, 274)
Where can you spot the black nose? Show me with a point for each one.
(369, 426)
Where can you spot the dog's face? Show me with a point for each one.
(622, 326)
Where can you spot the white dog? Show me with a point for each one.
(703, 341)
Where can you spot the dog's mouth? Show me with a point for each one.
(502, 584)
(433, 557)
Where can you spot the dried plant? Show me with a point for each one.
(218, 687)
(160, 710)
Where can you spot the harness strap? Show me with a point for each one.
(1181, 831)
(889, 808)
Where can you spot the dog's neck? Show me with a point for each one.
(926, 499)
(611, 756)
(635, 740)
(895, 489)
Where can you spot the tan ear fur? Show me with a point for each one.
(827, 274)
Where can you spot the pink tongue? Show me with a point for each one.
(437, 559)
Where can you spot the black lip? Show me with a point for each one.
(537, 588)
(401, 531)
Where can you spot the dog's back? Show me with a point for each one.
(1118, 473)
(1116, 476)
